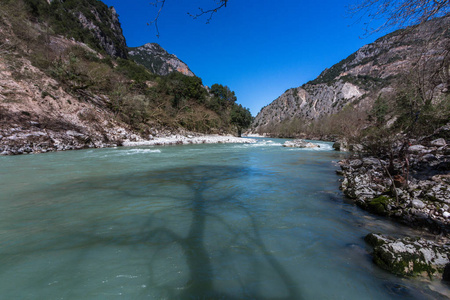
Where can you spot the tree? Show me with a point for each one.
(224, 96)
(240, 117)
(399, 13)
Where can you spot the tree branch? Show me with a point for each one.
(398, 13)
(211, 12)
(155, 21)
(160, 3)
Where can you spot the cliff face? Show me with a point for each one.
(361, 77)
(112, 39)
(157, 60)
(87, 21)
(309, 102)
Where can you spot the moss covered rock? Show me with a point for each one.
(379, 205)
(409, 256)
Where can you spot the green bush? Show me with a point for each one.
(133, 71)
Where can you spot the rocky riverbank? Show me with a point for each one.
(192, 138)
(422, 200)
(17, 141)
(413, 190)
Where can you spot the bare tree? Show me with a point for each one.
(398, 13)
(201, 11)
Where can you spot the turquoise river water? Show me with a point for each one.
(226, 221)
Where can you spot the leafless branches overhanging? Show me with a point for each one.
(398, 13)
(210, 12)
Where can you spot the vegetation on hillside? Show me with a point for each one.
(158, 60)
(64, 18)
(406, 105)
(129, 91)
(417, 105)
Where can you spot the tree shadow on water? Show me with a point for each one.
(207, 190)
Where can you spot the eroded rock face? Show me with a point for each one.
(409, 256)
(308, 102)
(113, 41)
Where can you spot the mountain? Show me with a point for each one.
(157, 60)
(67, 82)
(360, 78)
(87, 21)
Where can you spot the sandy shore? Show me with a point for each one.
(190, 139)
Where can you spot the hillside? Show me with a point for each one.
(87, 21)
(157, 60)
(66, 83)
(358, 80)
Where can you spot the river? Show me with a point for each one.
(223, 221)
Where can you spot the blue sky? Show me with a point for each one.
(259, 48)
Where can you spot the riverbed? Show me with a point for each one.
(222, 221)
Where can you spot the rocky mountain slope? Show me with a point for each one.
(87, 21)
(66, 83)
(360, 78)
(157, 60)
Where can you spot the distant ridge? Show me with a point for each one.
(158, 61)
(359, 78)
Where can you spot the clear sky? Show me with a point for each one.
(259, 48)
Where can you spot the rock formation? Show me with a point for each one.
(409, 256)
(359, 79)
(159, 61)
(113, 41)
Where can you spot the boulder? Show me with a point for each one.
(409, 256)
(438, 142)
(341, 145)
(418, 204)
(417, 149)
(356, 163)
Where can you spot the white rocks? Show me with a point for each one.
(418, 204)
(300, 144)
(185, 140)
(417, 148)
(409, 256)
(401, 247)
(438, 142)
(350, 91)
(422, 203)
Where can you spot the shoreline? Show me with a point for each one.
(35, 142)
(419, 199)
(190, 140)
